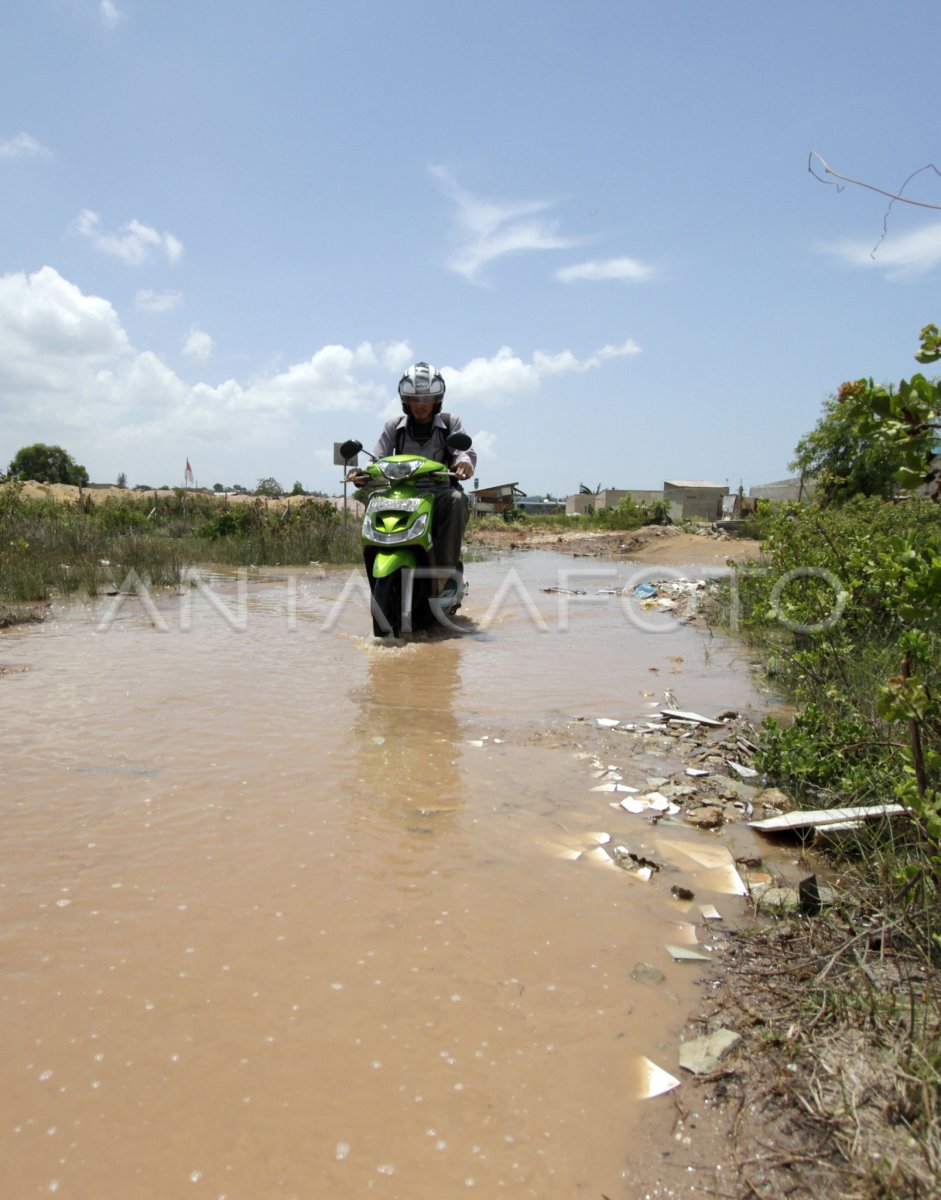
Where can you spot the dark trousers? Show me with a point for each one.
(450, 519)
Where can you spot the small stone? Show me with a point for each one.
(703, 1055)
(757, 882)
(681, 893)
(779, 899)
(774, 798)
(645, 973)
(706, 817)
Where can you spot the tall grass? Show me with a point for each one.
(48, 546)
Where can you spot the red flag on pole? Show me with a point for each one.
(188, 473)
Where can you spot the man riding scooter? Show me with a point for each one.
(423, 429)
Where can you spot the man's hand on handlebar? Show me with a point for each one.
(463, 470)
(357, 477)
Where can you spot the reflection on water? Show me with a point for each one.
(406, 734)
(282, 915)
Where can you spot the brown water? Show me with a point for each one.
(286, 913)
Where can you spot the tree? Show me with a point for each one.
(871, 438)
(47, 464)
(122, 479)
(298, 489)
(269, 486)
(217, 487)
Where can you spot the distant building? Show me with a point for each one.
(535, 506)
(690, 498)
(784, 489)
(581, 503)
(498, 499)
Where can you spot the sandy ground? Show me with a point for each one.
(652, 543)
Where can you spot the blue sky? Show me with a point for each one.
(226, 227)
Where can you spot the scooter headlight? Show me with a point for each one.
(400, 470)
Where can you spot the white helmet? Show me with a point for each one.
(421, 382)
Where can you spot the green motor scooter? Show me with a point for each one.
(408, 591)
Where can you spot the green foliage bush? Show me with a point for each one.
(847, 602)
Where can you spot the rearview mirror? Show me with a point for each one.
(458, 441)
(350, 449)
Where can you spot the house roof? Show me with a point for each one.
(499, 488)
(694, 483)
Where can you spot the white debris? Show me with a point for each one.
(675, 714)
(686, 954)
(654, 1081)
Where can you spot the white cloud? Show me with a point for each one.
(51, 334)
(70, 375)
(601, 270)
(398, 357)
(489, 229)
(905, 256)
(198, 345)
(485, 444)
(506, 377)
(157, 302)
(23, 145)
(110, 13)
(134, 243)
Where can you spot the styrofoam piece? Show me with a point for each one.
(654, 1081)
(710, 912)
(721, 876)
(686, 954)
(600, 857)
(691, 716)
(607, 722)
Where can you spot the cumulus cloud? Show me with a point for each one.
(506, 377)
(70, 375)
(23, 145)
(601, 270)
(198, 345)
(67, 368)
(110, 14)
(134, 242)
(900, 257)
(50, 332)
(490, 229)
(157, 302)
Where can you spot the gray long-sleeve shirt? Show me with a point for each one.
(435, 446)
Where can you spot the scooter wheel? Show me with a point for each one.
(386, 606)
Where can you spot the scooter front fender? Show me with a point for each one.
(388, 564)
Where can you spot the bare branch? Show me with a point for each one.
(871, 186)
(893, 196)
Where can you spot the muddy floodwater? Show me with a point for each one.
(290, 913)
